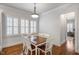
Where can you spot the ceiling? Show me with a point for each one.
(40, 7)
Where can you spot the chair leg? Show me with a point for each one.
(46, 52)
(50, 52)
(31, 52)
(38, 52)
(27, 51)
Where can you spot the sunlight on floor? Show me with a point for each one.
(70, 45)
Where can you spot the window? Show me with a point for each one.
(27, 26)
(69, 27)
(12, 25)
(32, 26)
(15, 21)
(9, 26)
(24, 26)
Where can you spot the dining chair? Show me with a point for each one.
(47, 47)
(27, 45)
(45, 35)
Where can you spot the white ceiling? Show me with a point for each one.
(41, 7)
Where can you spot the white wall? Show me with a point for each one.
(77, 31)
(0, 29)
(50, 22)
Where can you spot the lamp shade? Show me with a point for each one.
(34, 16)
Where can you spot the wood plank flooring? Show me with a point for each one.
(60, 50)
(56, 50)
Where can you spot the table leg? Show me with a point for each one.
(36, 50)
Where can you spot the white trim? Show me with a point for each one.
(1, 11)
(12, 44)
(65, 5)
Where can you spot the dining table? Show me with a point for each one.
(38, 41)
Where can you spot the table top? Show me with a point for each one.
(39, 40)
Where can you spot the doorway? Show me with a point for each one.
(69, 32)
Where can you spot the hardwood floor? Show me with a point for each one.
(59, 50)
(62, 50)
(56, 50)
(13, 50)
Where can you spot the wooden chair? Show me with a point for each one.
(28, 46)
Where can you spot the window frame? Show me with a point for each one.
(25, 27)
(32, 27)
(12, 34)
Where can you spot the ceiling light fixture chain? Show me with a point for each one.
(35, 8)
(35, 15)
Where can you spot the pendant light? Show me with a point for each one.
(34, 15)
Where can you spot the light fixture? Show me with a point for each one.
(34, 15)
